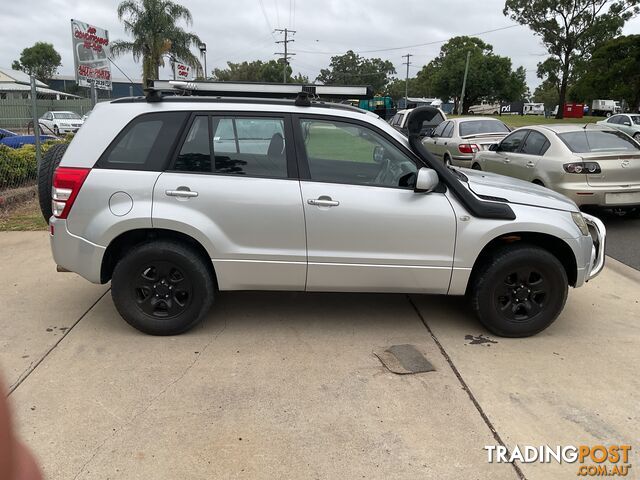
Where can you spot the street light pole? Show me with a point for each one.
(464, 85)
(203, 52)
(406, 81)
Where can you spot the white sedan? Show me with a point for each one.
(592, 165)
(61, 122)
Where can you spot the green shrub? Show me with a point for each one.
(18, 165)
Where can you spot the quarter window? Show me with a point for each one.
(340, 152)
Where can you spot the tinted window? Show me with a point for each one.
(535, 144)
(585, 141)
(635, 119)
(448, 130)
(249, 146)
(195, 154)
(475, 127)
(617, 119)
(512, 142)
(341, 152)
(439, 129)
(145, 143)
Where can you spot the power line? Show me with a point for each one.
(277, 12)
(266, 19)
(285, 55)
(410, 46)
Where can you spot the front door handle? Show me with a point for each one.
(182, 192)
(530, 164)
(506, 160)
(323, 201)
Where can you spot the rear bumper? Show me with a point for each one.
(464, 161)
(585, 194)
(74, 253)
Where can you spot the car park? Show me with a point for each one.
(594, 166)
(61, 122)
(172, 198)
(399, 122)
(457, 140)
(628, 123)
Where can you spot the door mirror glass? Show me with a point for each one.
(494, 147)
(427, 180)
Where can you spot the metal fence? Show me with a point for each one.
(17, 113)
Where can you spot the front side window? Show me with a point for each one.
(635, 119)
(341, 152)
(512, 142)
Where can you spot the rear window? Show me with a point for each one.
(145, 143)
(476, 127)
(585, 141)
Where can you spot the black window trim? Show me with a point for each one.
(303, 162)
(292, 165)
(524, 139)
(547, 143)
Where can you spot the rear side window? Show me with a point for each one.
(145, 143)
(448, 130)
(585, 141)
(535, 144)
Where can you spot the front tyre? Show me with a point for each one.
(519, 291)
(162, 287)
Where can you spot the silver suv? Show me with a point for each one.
(174, 198)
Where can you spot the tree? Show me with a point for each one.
(490, 76)
(613, 72)
(352, 69)
(156, 35)
(548, 93)
(256, 71)
(41, 60)
(570, 30)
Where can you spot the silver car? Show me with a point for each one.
(456, 141)
(173, 199)
(594, 166)
(61, 122)
(628, 123)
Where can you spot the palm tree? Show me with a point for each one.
(152, 24)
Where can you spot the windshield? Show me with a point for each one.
(67, 115)
(475, 127)
(585, 141)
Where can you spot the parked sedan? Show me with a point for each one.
(628, 123)
(456, 141)
(61, 122)
(594, 166)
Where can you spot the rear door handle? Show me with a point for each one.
(531, 164)
(323, 202)
(180, 192)
(506, 160)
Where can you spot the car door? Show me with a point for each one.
(233, 186)
(367, 230)
(525, 161)
(506, 153)
(431, 142)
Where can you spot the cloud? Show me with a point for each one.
(238, 30)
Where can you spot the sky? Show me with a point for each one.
(238, 30)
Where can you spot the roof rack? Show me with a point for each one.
(302, 93)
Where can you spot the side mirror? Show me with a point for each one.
(494, 147)
(378, 154)
(628, 124)
(427, 180)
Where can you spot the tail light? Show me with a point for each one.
(582, 167)
(66, 186)
(468, 148)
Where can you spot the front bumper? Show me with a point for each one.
(596, 260)
(74, 253)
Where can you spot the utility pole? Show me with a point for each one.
(406, 81)
(464, 85)
(34, 115)
(285, 54)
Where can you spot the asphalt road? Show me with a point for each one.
(623, 238)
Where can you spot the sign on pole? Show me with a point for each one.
(90, 55)
(181, 71)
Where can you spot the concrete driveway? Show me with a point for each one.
(284, 385)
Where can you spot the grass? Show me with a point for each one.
(25, 216)
(516, 121)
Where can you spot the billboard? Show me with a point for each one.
(513, 108)
(181, 71)
(90, 55)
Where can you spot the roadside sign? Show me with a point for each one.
(181, 71)
(90, 55)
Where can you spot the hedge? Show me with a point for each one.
(18, 165)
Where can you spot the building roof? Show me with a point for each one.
(16, 76)
(17, 81)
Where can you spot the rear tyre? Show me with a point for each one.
(636, 137)
(447, 160)
(476, 166)
(56, 130)
(538, 182)
(519, 291)
(48, 164)
(162, 287)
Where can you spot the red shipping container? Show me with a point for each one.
(573, 110)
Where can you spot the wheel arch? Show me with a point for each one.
(125, 241)
(554, 245)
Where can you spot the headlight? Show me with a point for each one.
(578, 219)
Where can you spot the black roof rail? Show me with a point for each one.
(156, 90)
